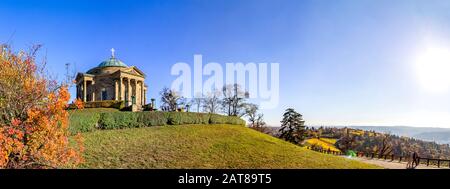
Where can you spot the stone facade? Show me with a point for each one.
(113, 80)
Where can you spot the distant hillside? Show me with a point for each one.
(273, 130)
(369, 141)
(439, 135)
(201, 146)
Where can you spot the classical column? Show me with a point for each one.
(116, 90)
(129, 92)
(142, 93)
(93, 93)
(145, 97)
(135, 91)
(120, 88)
(84, 90)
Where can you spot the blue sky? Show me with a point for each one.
(342, 62)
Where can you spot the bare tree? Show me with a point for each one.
(197, 101)
(385, 146)
(234, 98)
(70, 74)
(251, 111)
(256, 121)
(211, 103)
(260, 121)
(260, 124)
(170, 100)
(227, 92)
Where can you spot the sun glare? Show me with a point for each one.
(433, 69)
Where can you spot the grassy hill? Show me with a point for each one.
(201, 146)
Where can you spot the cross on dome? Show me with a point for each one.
(112, 52)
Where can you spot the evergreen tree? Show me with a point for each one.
(292, 127)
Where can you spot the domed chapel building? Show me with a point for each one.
(112, 80)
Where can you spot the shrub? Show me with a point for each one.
(152, 118)
(90, 120)
(118, 120)
(217, 119)
(201, 118)
(234, 120)
(174, 118)
(117, 104)
(179, 118)
(33, 115)
(221, 119)
(83, 121)
(86, 120)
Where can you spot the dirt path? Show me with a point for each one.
(392, 165)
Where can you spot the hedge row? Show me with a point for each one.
(117, 104)
(85, 122)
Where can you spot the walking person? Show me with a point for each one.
(413, 162)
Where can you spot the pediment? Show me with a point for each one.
(82, 75)
(135, 71)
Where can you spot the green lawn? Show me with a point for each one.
(201, 146)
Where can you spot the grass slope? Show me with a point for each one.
(201, 146)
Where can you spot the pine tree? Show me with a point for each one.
(292, 127)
